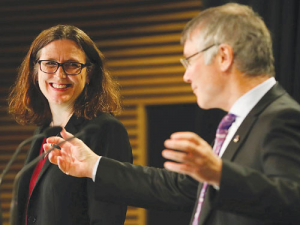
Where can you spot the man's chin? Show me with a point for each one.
(205, 105)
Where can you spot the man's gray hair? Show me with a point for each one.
(241, 28)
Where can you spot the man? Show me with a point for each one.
(253, 176)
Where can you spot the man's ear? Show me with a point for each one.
(226, 57)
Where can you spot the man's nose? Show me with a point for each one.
(186, 77)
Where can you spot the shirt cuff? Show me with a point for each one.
(95, 168)
(216, 187)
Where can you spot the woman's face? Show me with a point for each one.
(58, 88)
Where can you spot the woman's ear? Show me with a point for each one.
(89, 73)
(87, 79)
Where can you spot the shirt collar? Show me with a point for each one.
(246, 102)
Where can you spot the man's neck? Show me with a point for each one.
(241, 85)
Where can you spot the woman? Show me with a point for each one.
(63, 82)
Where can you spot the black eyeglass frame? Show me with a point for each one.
(185, 61)
(82, 65)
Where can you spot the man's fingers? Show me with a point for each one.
(54, 155)
(65, 134)
(54, 140)
(175, 155)
(188, 159)
(74, 141)
(46, 147)
(190, 136)
(184, 169)
(181, 145)
(63, 163)
(178, 167)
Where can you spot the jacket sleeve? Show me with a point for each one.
(145, 187)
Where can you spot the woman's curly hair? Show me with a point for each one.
(27, 103)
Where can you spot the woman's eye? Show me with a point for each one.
(51, 63)
(74, 65)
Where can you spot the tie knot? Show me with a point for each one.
(227, 121)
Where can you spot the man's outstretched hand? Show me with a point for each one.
(75, 158)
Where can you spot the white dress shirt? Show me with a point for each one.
(244, 105)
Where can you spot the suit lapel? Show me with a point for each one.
(34, 148)
(246, 126)
(71, 127)
(235, 144)
(239, 137)
(45, 166)
(23, 186)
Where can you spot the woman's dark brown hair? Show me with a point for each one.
(27, 103)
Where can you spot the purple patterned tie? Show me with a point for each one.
(219, 140)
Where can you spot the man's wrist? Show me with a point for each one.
(217, 177)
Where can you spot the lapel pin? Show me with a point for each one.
(236, 138)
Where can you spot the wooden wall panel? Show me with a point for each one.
(140, 39)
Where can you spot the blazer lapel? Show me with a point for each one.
(71, 127)
(25, 178)
(45, 166)
(241, 134)
(34, 148)
(43, 170)
(275, 92)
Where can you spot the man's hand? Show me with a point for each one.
(193, 157)
(74, 158)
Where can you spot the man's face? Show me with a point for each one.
(205, 80)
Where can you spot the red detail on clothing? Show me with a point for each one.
(37, 170)
(35, 176)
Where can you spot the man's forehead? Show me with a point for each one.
(191, 45)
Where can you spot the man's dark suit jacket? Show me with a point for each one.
(66, 200)
(260, 182)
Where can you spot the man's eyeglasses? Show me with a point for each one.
(185, 61)
(70, 68)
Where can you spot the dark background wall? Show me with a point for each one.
(163, 120)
